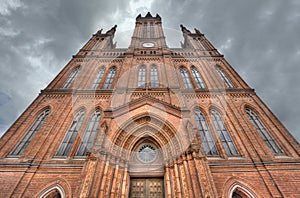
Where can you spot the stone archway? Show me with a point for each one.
(148, 143)
(170, 141)
(146, 169)
(177, 170)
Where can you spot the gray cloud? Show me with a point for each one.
(259, 39)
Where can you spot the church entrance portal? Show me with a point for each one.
(146, 188)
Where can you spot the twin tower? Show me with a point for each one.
(148, 121)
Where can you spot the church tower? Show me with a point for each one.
(148, 121)
(148, 33)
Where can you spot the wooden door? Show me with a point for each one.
(146, 188)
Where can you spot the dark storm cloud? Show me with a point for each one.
(37, 39)
(260, 39)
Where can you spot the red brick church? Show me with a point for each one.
(148, 121)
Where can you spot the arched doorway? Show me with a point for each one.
(146, 169)
(148, 144)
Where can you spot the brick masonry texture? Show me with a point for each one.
(161, 115)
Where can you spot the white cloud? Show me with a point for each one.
(8, 5)
(139, 6)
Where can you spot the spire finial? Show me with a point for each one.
(197, 31)
(112, 30)
(184, 29)
(148, 15)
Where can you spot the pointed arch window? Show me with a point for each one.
(69, 139)
(208, 142)
(151, 30)
(223, 133)
(263, 132)
(154, 76)
(185, 78)
(142, 76)
(197, 78)
(110, 78)
(98, 78)
(224, 78)
(89, 135)
(31, 133)
(71, 77)
(145, 30)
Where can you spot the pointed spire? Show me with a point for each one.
(148, 15)
(112, 30)
(99, 31)
(184, 29)
(138, 17)
(197, 31)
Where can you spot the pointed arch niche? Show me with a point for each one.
(55, 191)
(238, 191)
(238, 188)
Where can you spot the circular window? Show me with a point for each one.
(147, 153)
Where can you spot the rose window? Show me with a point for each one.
(147, 153)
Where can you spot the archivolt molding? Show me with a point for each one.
(144, 131)
(238, 184)
(172, 142)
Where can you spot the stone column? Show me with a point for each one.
(101, 193)
(124, 183)
(205, 177)
(114, 180)
(89, 176)
(188, 177)
(193, 173)
(98, 176)
(184, 184)
(177, 182)
(109, 178)
(172, 180)
(168, 183)
(119, 180)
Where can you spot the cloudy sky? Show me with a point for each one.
(260, 39)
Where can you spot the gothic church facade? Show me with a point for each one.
(148, 121)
